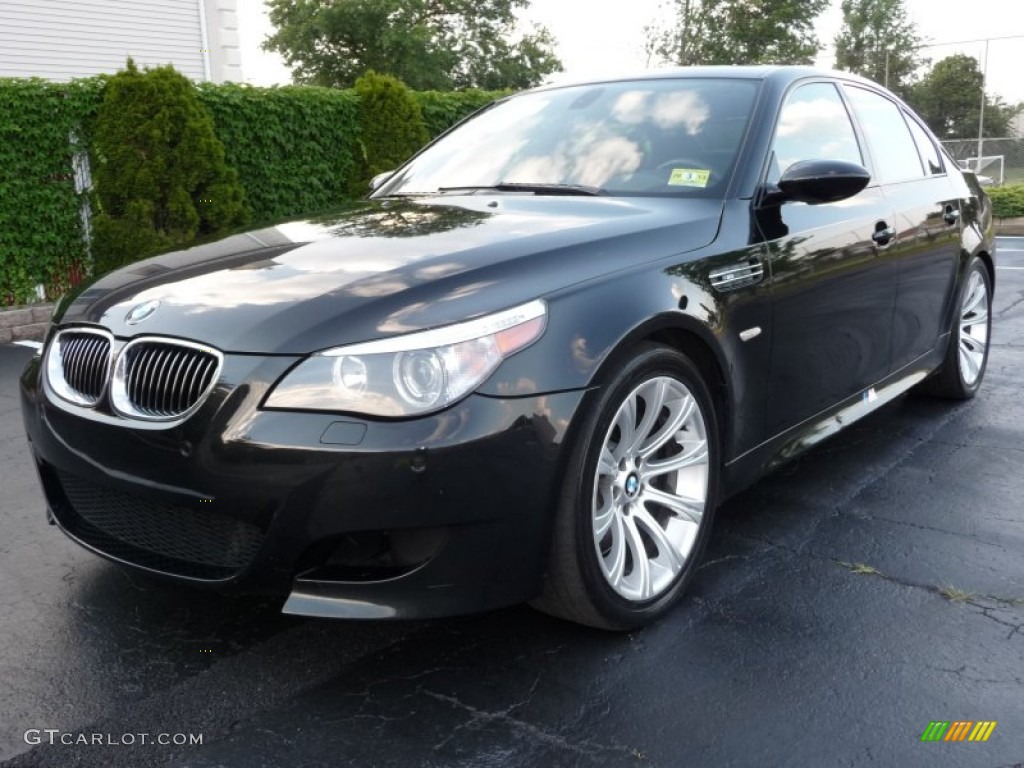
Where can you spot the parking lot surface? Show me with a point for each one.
(872, 586)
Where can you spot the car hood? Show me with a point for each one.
(387, 267)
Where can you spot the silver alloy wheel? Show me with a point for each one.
(651, 488)
(973, 328)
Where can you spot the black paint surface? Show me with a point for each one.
(779, 655)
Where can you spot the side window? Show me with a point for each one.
(813, 125)
(929, 155)
(892, 146)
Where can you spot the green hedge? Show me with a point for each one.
(41, 237)
(442, 110)
(1007, 202)
(295, 149)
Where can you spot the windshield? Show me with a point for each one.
(645, 137)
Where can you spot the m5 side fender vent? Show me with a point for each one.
(736, 276)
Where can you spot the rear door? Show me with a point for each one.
(833, 282)
(926, 215)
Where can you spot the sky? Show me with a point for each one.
(607, 36)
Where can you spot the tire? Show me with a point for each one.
(624, 487)
(962, 370)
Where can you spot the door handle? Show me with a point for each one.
(951, 216)
(883, 234)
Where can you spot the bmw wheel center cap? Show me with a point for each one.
(632, 485)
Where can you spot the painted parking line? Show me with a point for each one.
(29, 344)
(1016, 268)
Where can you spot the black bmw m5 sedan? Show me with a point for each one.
(530, 365)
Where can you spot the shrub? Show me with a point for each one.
(161, 178)
(1007, 202)
(391, 126)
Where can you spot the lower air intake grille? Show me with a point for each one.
(162, 537)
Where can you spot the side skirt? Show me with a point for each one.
(758, 461)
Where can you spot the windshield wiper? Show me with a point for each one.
(537, 189)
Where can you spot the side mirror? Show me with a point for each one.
(818, 181)
(378, 180)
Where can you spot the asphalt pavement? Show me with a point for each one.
(869, 588)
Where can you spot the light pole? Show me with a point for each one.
(981, 116)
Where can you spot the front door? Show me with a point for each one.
(833, 281)
(927, 243)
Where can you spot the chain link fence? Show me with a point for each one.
(1002, 160)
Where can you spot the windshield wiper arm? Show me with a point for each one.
(537, 189)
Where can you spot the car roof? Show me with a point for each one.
(778, 73)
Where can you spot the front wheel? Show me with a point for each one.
(963, 368)
(635, 512)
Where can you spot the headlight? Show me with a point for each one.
(412, 374)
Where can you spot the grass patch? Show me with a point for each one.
(955, 595)
(1014, 601)
(861, 568)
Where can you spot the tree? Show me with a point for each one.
(738, 32)
(880, 42)
(689, 40)
(161, 178)
(948, 98)
(438, 45)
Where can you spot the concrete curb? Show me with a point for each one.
(24, 323)
(1010, 226)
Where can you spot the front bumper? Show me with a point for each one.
(435, 516)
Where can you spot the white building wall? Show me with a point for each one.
(64, 39)
(224, 44)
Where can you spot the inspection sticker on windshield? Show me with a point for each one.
(689, 177)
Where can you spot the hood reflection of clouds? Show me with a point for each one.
(607, 158)
(611, 136)
(804, 124)
(677, 109)
(684, 109)
(593, 161)
(479, 157)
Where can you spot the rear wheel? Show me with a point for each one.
(635, 512)
(961, 372)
